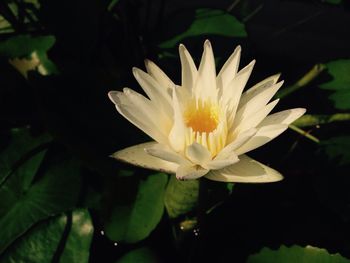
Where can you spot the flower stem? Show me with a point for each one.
(304, 133)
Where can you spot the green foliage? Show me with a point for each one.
(23, 45)
(28, 196)
(334, 2)
(144, 255)
(338, 148)
(340, 71)
(132, 222)
(209, 22)
(298, 254)
(181, 196)
(42, 243)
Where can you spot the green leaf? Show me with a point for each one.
(338, 148)
(181, 196)
(340, 71)
(209, 22)
(134, 221)
(21, 143)
(24, 202)
(144, 255)
(334, 2)
(298, 254)
(41, 243)
(24, 45)
(78, 243)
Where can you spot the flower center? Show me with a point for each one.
(201, 116)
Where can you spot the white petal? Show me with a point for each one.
(159, 76)
(177, 135)
(229, 69)
(198, 154)
(258, 88)
(190, 172)
(254, 119)
(217, 164)
(236, 143)
(263, 135)
(205, 86)
(189, 70)
(159, 95)
(256, 103)
(139, 111)
(247, 170)
(136, 155)
(283, 117)
(167, 154)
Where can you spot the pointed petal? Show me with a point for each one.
(198, 154)
(206, 82)
(167, 154)
(189, 71)
(229, 69)
(139, 111)
(254, 119)
(177, 135)
(263, 135)
(240, 140)
(247, 170)
(283, 117)
(217, 164)
(190, 172)
(258, 88)
(159, 76)
(137, 156)
(154, 91)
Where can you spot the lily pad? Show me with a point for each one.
(132, 222)
(298, 254)
(209, 22)
(338, 148)
(340, 71)
(144, 255)
(42, 242)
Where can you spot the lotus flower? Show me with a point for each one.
(205, 126)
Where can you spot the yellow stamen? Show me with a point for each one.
(202, 116)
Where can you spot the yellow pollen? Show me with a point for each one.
(202, 117)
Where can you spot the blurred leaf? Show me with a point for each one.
(340, 71)
(334, 2)
(133, 222)
(112, 4)
(143, 255)
(24, 202)
(24, 45)
(77, 246)
(230, 187)
(209, 22)
(21, 143)
(181, 196)
(41, 243)
(294, 254)
(338, 148)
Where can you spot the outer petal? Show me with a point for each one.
(283, 117)
(189, 70)
(229, 69)
(159, 76)
(136, 155)
(247, 170)
(263, 135)
(185, 172)
(140, 112)
(205, 86)
(167, 154)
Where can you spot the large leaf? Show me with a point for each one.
(298, 254)
(25, 201)
(338, 148)
(340, 71)
(209, 22)
(21, 143)
(132, 222)
(43, 242)
(143, 255)
(181, 196)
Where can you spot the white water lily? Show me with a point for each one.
(205, 126)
